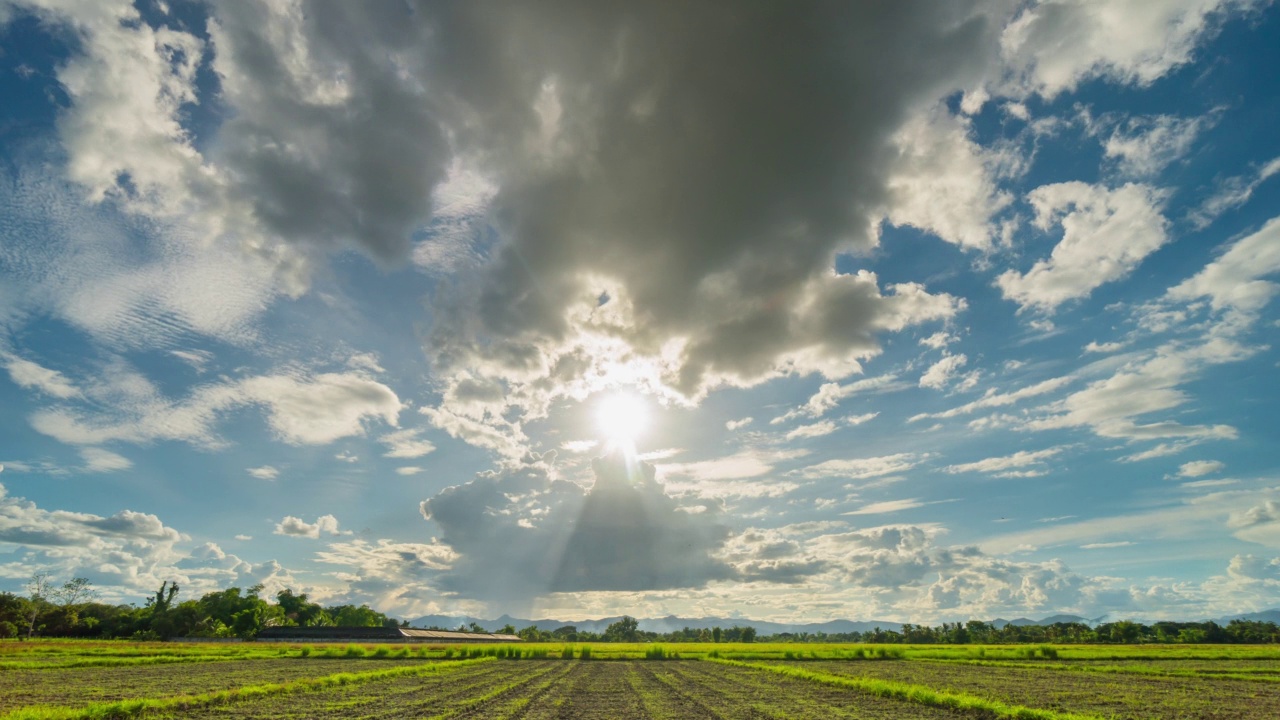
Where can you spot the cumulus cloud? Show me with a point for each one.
(940, 373)
(1106, 234)
(1054, 46)
(266, 472)
(297, 527)
(943, 182)
(519, 532)
(127, 551)
(738, 424)
(1259, 523)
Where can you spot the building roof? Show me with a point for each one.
(328, 632)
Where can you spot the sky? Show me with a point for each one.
(915, 311)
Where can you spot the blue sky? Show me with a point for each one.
(932, 314)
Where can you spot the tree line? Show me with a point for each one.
(70, 610)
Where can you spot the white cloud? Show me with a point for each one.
(1140, 387)
(999, 465)
(197, 359)
(940, 373)
(244, 538)
(28, 374)
(301, 409)
(266, 472)
(1233, 283)
(1160, 450)
(831, 394)
(1190, 517)
(409, 470)
(1054, 46)
(1198, 468)
(938, 340)
(578, 447)
(297, 527)
(887, 506)
(813, 430)
(1232, 193)
(123, 554)
(1108, 347)
(943, 182)
(346, 456)
(738, 424)
(1258, 524)
(99, 460)
(860, 468)
(1143, 146)
(1106, 234)
(993, 398)
(747, 463)
(406, 444)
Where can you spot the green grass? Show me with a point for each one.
(916, 693)
(1255, 675)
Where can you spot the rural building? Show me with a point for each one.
(378, 634)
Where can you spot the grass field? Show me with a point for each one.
(74, 679)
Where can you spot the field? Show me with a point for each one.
(69, 679)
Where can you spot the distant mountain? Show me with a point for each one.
(666, 624)
(1051, 620)
(1272, 615)
(671, 623)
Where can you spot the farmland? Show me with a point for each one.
(92, 679)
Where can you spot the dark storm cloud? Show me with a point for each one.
(706, 158)
(518, 534)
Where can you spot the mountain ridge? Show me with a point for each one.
(671, 623)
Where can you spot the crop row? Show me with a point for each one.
(1105, 694)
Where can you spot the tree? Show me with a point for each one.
(38, 589)
(73, 592)
(624, 630)
(716, 634)
(7, 630)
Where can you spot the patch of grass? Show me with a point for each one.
(132, 708)
(917, 693)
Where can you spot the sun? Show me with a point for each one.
(622, 417)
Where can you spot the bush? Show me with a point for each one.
(8, 629)
(586, 652)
